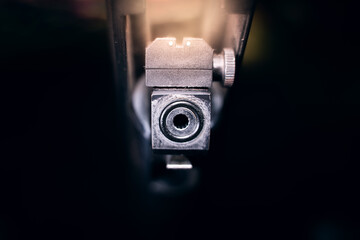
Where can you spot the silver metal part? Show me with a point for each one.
(141, 105)
(181, 77)
(177, 162)
(229, 63)
(180, 119)
(224, 65)
(171, 65)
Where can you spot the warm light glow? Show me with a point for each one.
(202, 19)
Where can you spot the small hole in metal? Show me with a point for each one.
(181, 121)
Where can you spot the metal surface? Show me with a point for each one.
(194, 105)
(141, 106)
(181, 109)
(224, 66)
(178, 162)
(186, 65)
(229, 67)
(181, 121)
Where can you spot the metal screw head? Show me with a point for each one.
(229, 67)
(224, 66)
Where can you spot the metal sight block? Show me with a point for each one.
(180, 119)
(186, 65)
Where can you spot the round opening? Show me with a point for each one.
(181, 121)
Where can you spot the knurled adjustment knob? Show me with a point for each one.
(229, 67)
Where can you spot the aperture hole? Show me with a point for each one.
(181, 121)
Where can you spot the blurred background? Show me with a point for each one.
(283, 162)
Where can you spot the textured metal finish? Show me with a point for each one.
(181, 121)
(229, 67)
(194, 53)
(178, 78)
(195, 105)
(186, 65)
(181, 76)
(141, 105)
(224, 65)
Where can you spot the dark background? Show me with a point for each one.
(283, 163)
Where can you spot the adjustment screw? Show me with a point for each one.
(224, 66)
(229, 67)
